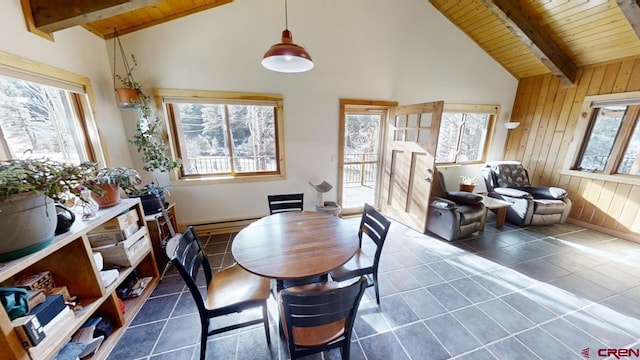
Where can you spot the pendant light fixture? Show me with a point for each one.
(286, 56)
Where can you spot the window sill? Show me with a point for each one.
(225, 180)
(621, 179)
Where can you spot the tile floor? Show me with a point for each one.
(551, 292)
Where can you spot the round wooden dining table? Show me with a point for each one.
(295, 245)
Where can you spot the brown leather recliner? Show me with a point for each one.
(456, 214)
(530, 205)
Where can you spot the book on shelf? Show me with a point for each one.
(29, 330)
(56, 328)
(52, 306)
(63, 318)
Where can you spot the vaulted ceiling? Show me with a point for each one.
(527, 37)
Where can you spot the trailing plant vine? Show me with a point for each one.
(148, 140)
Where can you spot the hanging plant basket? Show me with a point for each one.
(128, 98)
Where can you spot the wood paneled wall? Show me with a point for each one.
(549, 112)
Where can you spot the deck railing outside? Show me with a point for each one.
(222, 164)
(360, 169)
(599, 162)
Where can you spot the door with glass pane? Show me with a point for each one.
(412, 137)
(362, 124)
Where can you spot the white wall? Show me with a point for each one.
(401, 50)
(78, 51)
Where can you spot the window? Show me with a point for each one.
(612, 139)
(44, 115)
(226, 134)
(463, 135)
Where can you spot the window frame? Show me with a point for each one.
(494, 113)
(81, 98)
(583, 127)
(164, 98)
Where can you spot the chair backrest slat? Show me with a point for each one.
(315, 308)
(285, 202)
(375, 225)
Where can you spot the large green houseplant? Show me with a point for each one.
(29, 189)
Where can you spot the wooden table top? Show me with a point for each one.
(295, 245)
(493, 203)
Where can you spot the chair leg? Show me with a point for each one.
(203, 339)
(375, 285)
(345, 349)
(265, 317)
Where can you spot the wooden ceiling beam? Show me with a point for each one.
(538, 41)
(53, 15)
(631, 10)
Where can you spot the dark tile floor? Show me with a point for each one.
(551, 292)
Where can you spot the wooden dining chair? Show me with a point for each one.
(285, 202)
(229, 291)
(376, 227)
(319, 317)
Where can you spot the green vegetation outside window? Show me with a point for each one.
(463, 135)
(223, 136)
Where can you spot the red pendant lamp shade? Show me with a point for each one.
(286, 56)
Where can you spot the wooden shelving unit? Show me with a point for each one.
(70, 260)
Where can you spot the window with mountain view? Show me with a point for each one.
(463, 133)
(612, 140)
(226, 136)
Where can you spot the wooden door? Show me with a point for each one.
(412, 136)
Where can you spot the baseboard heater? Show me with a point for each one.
(222, 227)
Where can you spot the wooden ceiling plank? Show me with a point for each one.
(631, 10)
(535, 38)
(53, 15)
(603, 18)
(488, 22)
(568, 17)
(586, 32)
(138, 25)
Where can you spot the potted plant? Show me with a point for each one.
(148, 141)
(29, 189)
(468, 183)
(128, 94)
(151, 196)
(111, 180)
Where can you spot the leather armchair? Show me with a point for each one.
(531, 205)
(456, 214)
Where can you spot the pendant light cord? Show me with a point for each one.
(286, 16)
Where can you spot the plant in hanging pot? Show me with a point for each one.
(111, 180)
(129, 94)
(29, 189)
(468, 183)
(148, 139)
